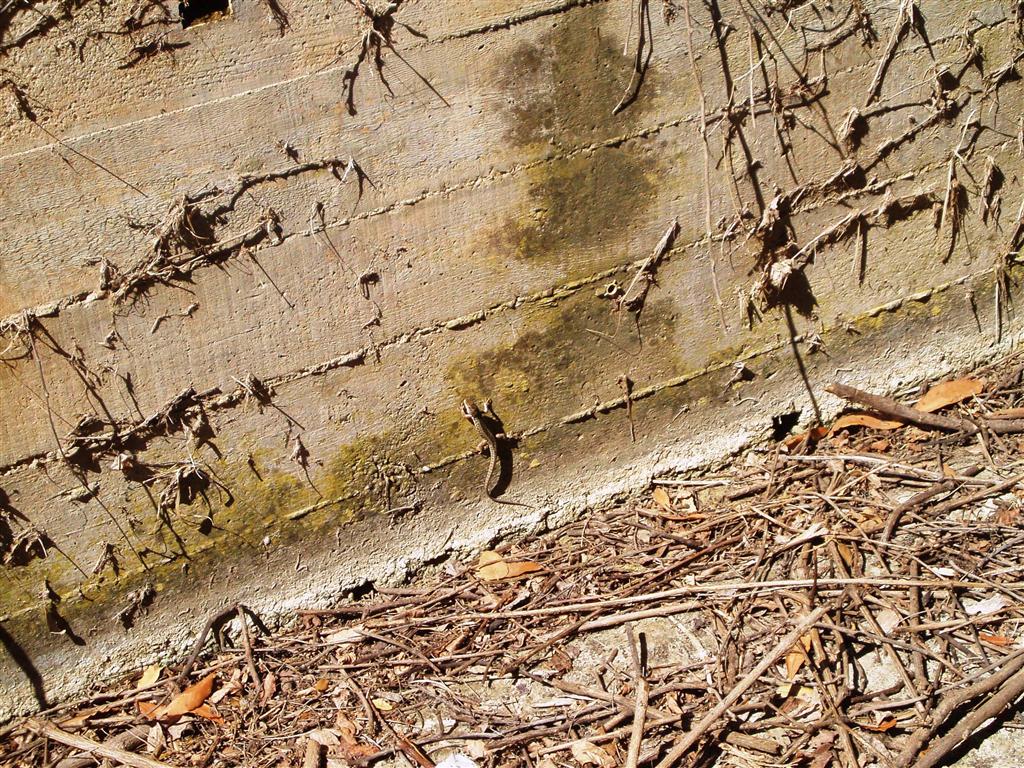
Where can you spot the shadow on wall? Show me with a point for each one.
(24, 662)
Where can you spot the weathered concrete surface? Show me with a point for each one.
(357, 274)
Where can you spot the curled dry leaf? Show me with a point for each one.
(811, 436)
(587, 753)
(189, 700)
(149, 676)
(850, 555)
(949, 393)
(269, 688)
(796, 657)
(861, 419)
(1000, 640)
(350, 747)
(885, 722)
(493, 567)
(324, 736)
(661, 498)
(156, 740)
(208, 713)
(345, 636)
(989, 605)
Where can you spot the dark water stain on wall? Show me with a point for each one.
(561, 90)
(559, 364)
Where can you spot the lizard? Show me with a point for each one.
(477, 416)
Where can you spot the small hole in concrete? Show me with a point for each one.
(783, 424)
(201, 11)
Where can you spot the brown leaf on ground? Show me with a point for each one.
(1000, 640)
(862, 419)
(493, 567)
(811, 436)
(849, 554)
(350, 748)
(794, 660)
(187, 701)
(588, 753)
(207, 712)
(149, 676)
(269, 688)
(1006, 516)
(823, 753)
(661, 498)
(796, 657)
(881, 726)
(949, 393)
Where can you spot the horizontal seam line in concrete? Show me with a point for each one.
(356, 357)
(510, 171)
(594, 411)
(504, 24)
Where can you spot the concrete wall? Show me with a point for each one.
(248, 276)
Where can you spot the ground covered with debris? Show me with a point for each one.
(849, 596)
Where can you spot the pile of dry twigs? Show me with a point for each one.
(849, 597)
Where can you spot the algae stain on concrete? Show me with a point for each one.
(559, 363)
(561, 91)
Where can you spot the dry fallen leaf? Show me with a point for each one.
(149, 676)
(1000, 640)
(796, 657)
(794, 692)
(660, 496)
(794, 660)
(869, 521)
(269, 688)
(345, 636)
(78, 721)
(949, 393)
(861, 419)
(587, 753)
(1005, 516)
(823, 753)
(207, 712)
(991, 604)
(192, 697)
(187, 701)
(324, 736)
(884, 723)
(350, 747)
(811, 436)
(850, 555)
(156, 740)
(492, 567)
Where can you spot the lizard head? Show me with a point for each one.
(470, 409)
